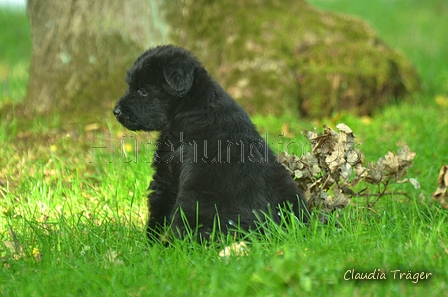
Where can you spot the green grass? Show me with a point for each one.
(15, 52)
(73, 204)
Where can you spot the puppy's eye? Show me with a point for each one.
(142, 92)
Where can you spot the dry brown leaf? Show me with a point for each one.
(396, 166)
(112, 258)
(360, 171)
(311, 135)
(335, 163)
(405, 155)
(441, 194)
(346, 171)
(375, 173)
(390, 161)
(299, 174)
(340, 200)
(414, 182)
(344, 128)
(353, 156)
(237, 249)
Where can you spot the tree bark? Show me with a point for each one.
(81, 50)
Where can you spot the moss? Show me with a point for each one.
(285, 56)
(353, 77)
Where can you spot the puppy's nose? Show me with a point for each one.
(117, 111)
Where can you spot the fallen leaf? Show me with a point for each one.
(360, 170)
(346, 171)
(235, 249)
(415, 183)
(298, 174)
(112, 258)
(344, 128)
(440, 194)
(339, 200)
(405, 155)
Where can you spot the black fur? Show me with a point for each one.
(210, 159)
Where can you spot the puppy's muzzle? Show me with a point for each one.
(117, 112)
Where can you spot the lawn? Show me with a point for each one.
(73, 205)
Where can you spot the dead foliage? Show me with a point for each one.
(334, 171)
(441, 195)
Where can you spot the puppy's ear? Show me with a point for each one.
(179, 77)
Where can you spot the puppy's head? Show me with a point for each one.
(159, 78)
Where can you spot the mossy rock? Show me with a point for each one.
(285, 56)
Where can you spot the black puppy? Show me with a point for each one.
(212, 168)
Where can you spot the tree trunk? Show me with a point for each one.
(81, 50)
